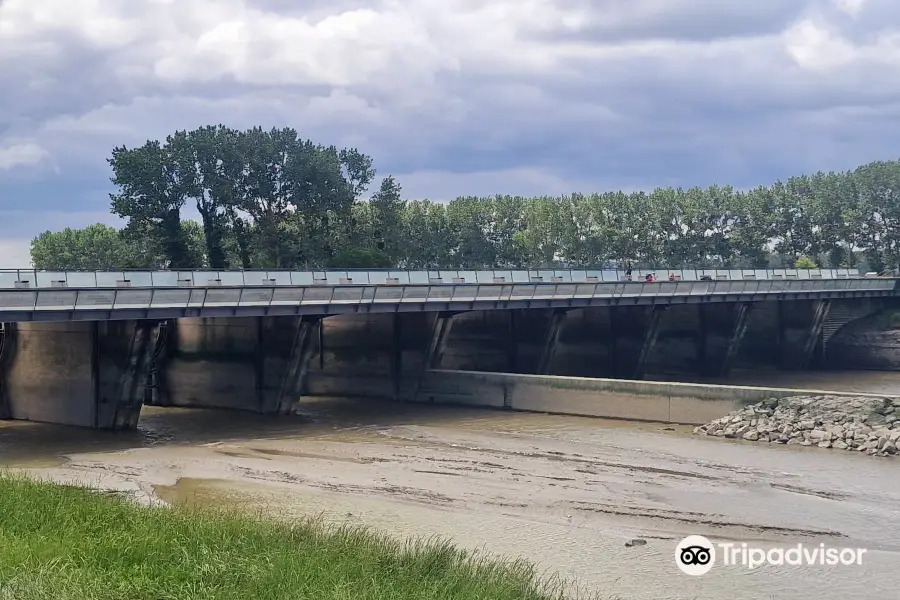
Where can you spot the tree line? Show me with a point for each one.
(270, 199)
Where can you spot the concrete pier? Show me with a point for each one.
(551, 338)
(240, 363)
(295, 380)
(89, 374)
(814, 334)
(651, 334)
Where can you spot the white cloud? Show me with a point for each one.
(815, 47)
(21, 155)
(850, 7)
(819, 47)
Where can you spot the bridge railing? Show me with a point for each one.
(30, 278)
(292, 299)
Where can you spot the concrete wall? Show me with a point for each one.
(479, 341)
(872, 342)
(236, 362)
(375, 355)
(686, 403)
(68, 373)
(358, 356)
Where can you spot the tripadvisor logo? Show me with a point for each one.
(695, 555)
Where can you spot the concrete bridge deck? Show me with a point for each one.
(127, 295)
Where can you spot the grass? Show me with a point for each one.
(71, 543)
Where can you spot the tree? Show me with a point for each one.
(386, 210)
(101, 247)
(360, 258)
(428, 238)
(153, 186)
(470, 219)
(96, 248)
(213, 160)
(804, 262)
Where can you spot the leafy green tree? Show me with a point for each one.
(153, 187)
(386, 210)
(469, 218)
(360, 258)
(96, 247)
(429, 240)
(805, 262)
(101, 247)
(507, 219)
(212, 158)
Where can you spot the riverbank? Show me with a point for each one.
(70, 543)
(864, 424)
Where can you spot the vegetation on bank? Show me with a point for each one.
(269, 199)
(68, 543)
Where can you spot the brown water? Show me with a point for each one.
(565, 492)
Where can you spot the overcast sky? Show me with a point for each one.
(452, 97)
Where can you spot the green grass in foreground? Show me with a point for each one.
(69, 543)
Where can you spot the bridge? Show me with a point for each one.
(27, 295)
(91, 348)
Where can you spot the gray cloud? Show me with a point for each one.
(452, 96)
(610, 21)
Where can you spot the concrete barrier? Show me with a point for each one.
(683, 403)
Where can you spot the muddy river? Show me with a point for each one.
(565, 492)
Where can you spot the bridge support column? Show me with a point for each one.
(321, 347)
(7, 349)
(155, 393)
(651, 333)
(294, 382)
(551, 337)
(124, 413)
(814, 334)
(86, 374)
(742, 312)
(440, 330)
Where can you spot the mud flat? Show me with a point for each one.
(565, 492)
